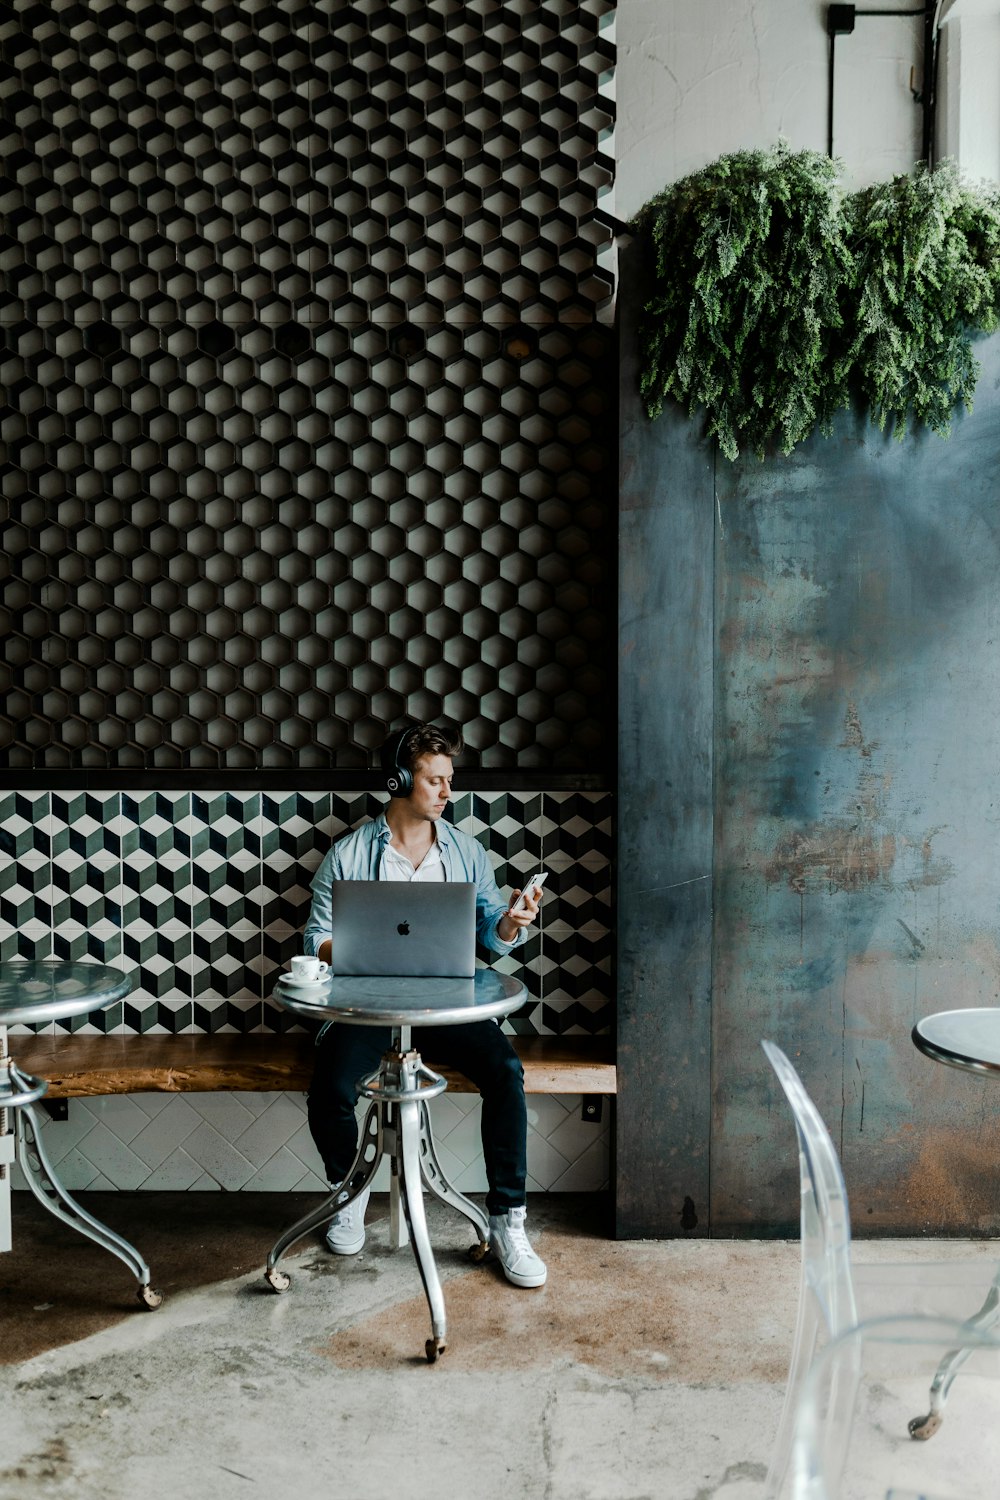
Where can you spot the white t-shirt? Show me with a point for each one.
(396, 866)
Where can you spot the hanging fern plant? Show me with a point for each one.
(927, 276)
(750, 264)
(773, 295)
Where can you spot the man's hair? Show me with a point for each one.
(431, 739)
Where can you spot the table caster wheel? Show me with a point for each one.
(277, 1280)
(433, 1348)
(479, 1252)
(149, 1298)
(922, 1428)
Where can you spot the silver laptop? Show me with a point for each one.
(402, 927)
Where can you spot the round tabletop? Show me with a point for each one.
(403, 1001)
(968, 1039)
(51, 989)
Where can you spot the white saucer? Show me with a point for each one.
(303, 984)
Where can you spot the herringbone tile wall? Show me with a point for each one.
(261, 1142)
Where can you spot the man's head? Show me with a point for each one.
(414, 758)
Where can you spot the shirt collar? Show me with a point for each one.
(442, 830)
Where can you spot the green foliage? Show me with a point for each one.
(927, 255)
(773, 294)
(750, 264)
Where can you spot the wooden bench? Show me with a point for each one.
(78, 1067)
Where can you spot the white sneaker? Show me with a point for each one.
(345, 1234)
(509, 1244)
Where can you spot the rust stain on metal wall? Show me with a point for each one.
(935, 870)
(838, 855)
(954, 1180)
(853, 734)
(839, 858)
(857, 848)
(846, 853)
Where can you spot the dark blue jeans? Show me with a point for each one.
(480, 1050)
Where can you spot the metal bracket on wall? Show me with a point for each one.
(56, 1109)
(593, 1108)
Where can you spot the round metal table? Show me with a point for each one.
(397, 1124)
(39, 991)
(970, 1040)
(966, 1039)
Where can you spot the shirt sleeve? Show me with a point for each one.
(317, 928)
(490, 907)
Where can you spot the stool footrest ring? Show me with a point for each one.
(19, 1089)
(397, 1095)
(412, 1079)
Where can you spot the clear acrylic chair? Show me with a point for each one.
(830, 1284)
(851, 1439)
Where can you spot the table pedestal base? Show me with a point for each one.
(18, 1093)
(985, 1320)
(397, 1125)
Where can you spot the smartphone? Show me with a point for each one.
(533, 884)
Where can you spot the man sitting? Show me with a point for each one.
(411, 842)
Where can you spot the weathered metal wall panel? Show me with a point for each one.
(857, 742)
(848, 708)
(664, 907)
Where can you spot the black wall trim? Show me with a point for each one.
(288, 781)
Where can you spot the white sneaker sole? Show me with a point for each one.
(516, 1279)
(346, 1247)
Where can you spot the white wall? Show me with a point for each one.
(696, 78)
(969, 91)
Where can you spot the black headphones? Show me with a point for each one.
(398, 776)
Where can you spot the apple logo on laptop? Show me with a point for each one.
(403, 929)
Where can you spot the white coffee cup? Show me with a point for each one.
(305, 967)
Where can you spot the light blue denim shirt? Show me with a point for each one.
(358, 855)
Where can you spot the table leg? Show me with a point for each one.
(6, 1162)
(397, 1125)
(390, 1078)
(363, 1169)
(6, 1147)
(442, 1188)
(49, 1191)
(399, 1234)
(986, 1318)
(16, 1091)
(412, 1194)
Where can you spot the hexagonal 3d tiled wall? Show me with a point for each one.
(307, 380)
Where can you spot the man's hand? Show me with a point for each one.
(512, 922)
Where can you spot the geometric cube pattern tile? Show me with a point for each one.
(201, 899)
(261, 1142)
(307, 385)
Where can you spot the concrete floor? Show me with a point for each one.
(642, 1369)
